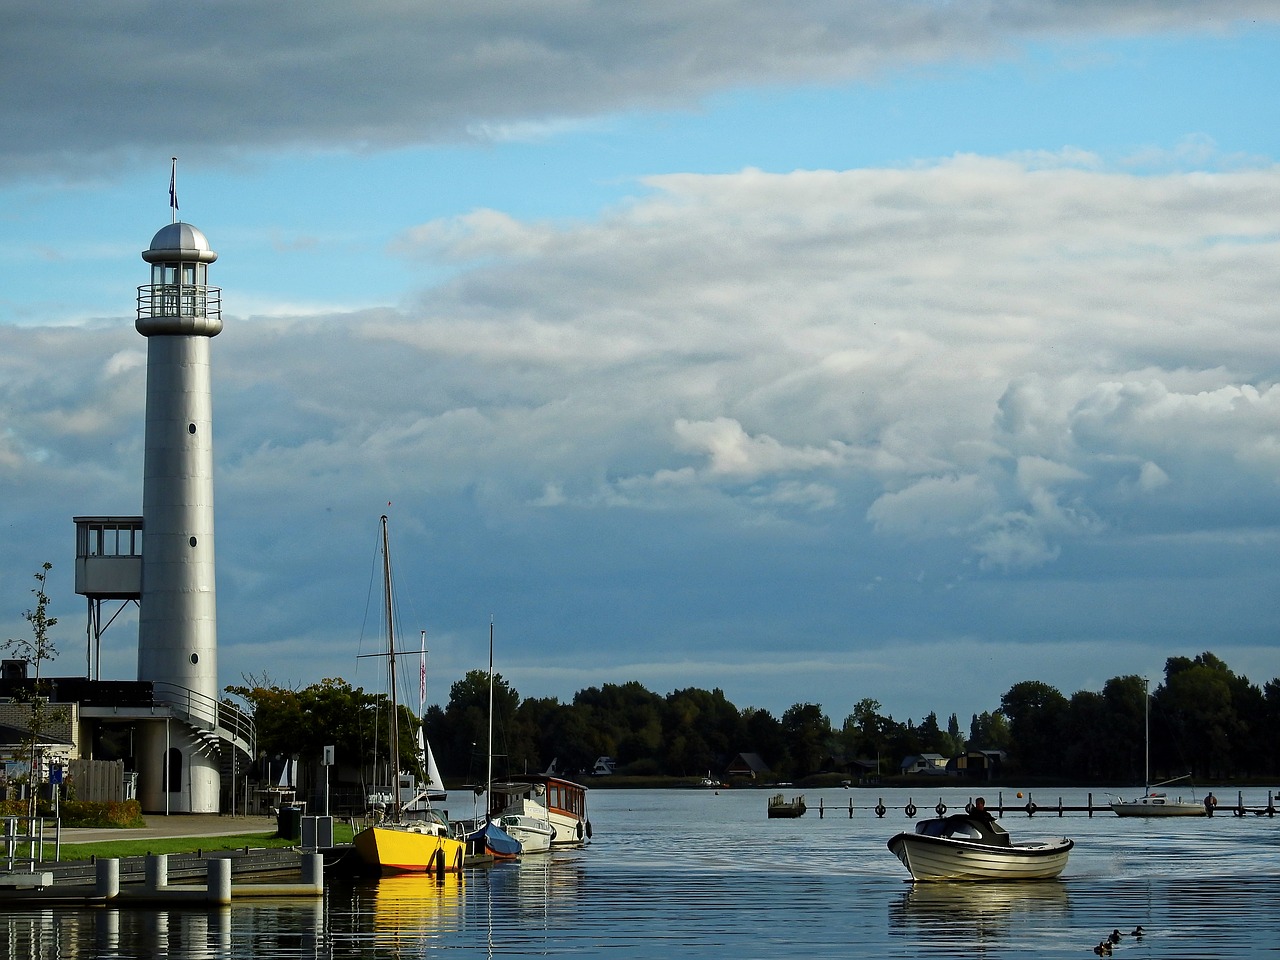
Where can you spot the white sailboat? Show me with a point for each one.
(1152, 803)
(420, 796)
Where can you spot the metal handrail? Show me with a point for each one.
(33, 839)
(209, 712)
(179, 300)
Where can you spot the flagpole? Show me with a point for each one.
(173, 191)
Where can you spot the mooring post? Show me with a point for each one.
(313, 870)
(156, 871)
(219, 874)
(107, 878)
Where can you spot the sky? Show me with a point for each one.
(816, 352)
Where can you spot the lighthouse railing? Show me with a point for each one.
(178, 300)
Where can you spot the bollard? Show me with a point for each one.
(313, 870)
(156, 874)
(107, 878)
(219, 873)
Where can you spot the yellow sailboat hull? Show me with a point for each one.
(405, 848)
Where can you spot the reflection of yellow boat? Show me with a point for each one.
(408, 910)
(415, 846)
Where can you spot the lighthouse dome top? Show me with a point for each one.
(179, 242)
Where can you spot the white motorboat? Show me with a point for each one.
(534, 833)
(973, 846)
(558, 802)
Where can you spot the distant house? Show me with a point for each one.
(934, 764)
(977, 764)
(747, 766)
(860, 771)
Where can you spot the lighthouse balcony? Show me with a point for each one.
(178, 300)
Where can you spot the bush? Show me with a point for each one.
(82, 813)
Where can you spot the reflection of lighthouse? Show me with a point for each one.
(178, 313)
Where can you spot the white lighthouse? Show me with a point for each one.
(178, 313)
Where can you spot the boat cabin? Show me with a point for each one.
(961, 826)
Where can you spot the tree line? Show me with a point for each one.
(1204, 720)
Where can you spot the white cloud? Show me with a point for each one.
(707, 416)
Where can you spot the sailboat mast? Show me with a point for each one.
(488, 786)
(1146, 734)
(394, 725)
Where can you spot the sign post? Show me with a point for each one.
(327, 762)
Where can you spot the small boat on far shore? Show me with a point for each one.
(780, 806)
(973, 846)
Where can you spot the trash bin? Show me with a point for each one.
(289, 823)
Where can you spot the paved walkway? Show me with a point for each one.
(175, 825)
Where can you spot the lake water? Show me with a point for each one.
(694, 874)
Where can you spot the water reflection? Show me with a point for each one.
(700, 876)
(410, 911)
(965, 917)
(930, 903)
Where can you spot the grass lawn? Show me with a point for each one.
(125, 847)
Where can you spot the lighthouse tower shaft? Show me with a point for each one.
(179, 313)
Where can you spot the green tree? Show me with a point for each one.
(957, 738)
(702, 730)
(764, 736)
(1121, 743)
(1195, 713)
(1037, 714)
(989, 731)
(465, 732)
(303, 722)
(35, 651)
(808, 732)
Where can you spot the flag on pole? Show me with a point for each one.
(422, 674)
(173, 184)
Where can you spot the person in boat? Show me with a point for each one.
(980, 811)
(1210, 802)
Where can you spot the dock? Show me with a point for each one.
(1031, 807)
(215, 879)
